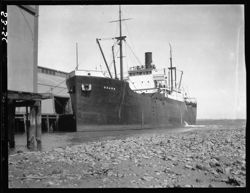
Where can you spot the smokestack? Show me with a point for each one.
(148, 59)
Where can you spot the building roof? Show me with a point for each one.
(52, 84)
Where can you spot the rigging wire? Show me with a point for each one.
(50, 85)
(60, 91)
(116, 56)
(132, 59)
(134, 53)
(132, 47)
(130, 36)
(53, 87)
(125, 54)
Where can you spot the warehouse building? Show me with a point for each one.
(22, 53)
(56, 111)
(37, 96)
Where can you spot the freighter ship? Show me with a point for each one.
(148, 98)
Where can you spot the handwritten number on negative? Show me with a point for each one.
(5, 34)
(4, 22)
(4, 14)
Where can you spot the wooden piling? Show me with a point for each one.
(33, 125)
(47, 122)
(57, 123)
(27, 125)
(32, 128)
(11, 123)
(38, 125)
(24, 123)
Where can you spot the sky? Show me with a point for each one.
(207, 42)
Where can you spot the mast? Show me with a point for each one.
(76, 56)
(120, 39)
(120, 43)
(171, 68)
(114, 61)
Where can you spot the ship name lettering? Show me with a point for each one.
(109, 88)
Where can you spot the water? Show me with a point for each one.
(62, 139)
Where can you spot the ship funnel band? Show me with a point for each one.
(86, 87)
(148, 59)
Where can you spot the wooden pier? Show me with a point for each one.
(33, 116)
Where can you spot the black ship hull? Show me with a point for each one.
(108, 104)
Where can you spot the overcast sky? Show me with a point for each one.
(207, 42)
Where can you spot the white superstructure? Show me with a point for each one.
(148, 79)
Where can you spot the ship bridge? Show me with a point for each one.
(148, 79)
(140, 70)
